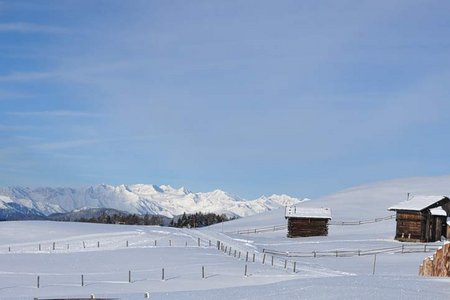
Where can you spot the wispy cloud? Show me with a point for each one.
(24, 76)
(4, 94)
(25, 27)
(15, 127)
(55, 113)
(68, 144)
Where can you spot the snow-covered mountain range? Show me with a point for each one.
(139, 198)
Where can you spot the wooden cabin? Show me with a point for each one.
(448, 228)
(307, 221)
(422, 219)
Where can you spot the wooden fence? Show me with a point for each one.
(284, 226)
(356, 252)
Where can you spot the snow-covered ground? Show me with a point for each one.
(100, 254)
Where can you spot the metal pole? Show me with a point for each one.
(374, 264)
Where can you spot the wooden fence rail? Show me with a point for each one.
(355, 252)
(284, 226)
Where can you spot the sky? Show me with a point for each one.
(253, 97)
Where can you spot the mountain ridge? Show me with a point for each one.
(136, 198)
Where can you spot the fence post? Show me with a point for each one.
(285, 263)
(209, 243)
(229, 251)
(68, 246)
(425, 248)
(53, 245)
(9, 249)
(203, 271)
(272, 260)
(239, 255)
(129, 276)
(98, 244)
(127, 244)
(84, 245)
(245, 272)
(374, 264)
(403, 248)
(336, 253)
(264, 258)
(39, 247)
(170, 242)
(234, 252)
(226, 248)
(218, 245)
(162, 274)
(246, 257)
(198, 242)
(38, 284)
(253, 257)
(156, 243)
(359, 252)
(314, 252)
(295, 265)
(82, 280)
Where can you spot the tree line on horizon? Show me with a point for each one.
(186, 220)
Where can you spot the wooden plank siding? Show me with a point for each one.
(419, 227)
(302, 227)
(411, 226)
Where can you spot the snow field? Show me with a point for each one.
(393, 275)
(108, 267)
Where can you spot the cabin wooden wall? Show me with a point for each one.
(419, 227)
(412, 226)
(298, 227)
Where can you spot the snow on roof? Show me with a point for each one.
(438, 211)
(308, 212)
(417, 203)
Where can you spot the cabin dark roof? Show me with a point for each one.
(417, 203)
(308, 212)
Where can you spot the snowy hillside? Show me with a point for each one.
(119, 261)
(363, 202)
(140, 198)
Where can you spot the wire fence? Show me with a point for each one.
(356, 252)
(90, 245)
(284, 226)
(201, 271)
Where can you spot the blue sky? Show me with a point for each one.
(253, 97)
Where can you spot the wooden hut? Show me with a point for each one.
(448, 228)
(307, 221)
(422, 218)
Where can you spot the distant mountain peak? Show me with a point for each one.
(141, 199)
